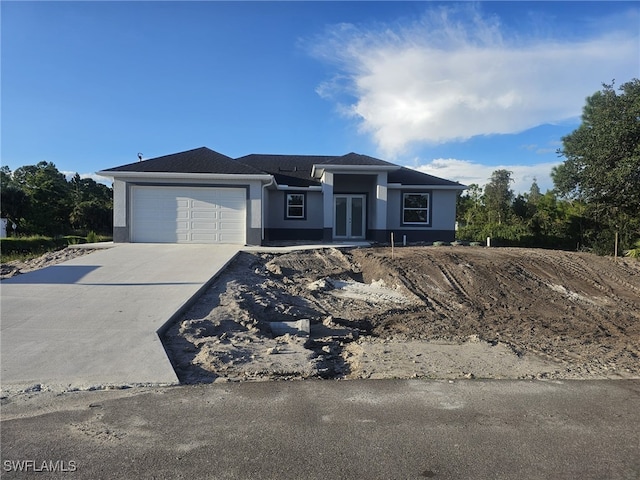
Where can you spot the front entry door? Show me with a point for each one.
(349, 216)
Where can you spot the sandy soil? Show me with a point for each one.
(16, 267)
(429, 312)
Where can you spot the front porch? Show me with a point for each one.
(354, 205)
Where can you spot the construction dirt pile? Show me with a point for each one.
(426, 312)
(16, 267)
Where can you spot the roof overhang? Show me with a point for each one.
(318, 170)
(427, 187)
(310, 188)
(183, 176)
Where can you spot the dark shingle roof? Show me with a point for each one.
(358, 159)
(199, 160)
(292, 170)
(407, 176)
(295, 170)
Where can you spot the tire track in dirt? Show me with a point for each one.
(577, 310)
(604, 279)
(453, 282)
(510, 282)
(380, 267)
(580, 271)
(601, 273)
(617, 279)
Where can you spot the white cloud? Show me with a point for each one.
(456, 73)
(550, 147)
(467, 172)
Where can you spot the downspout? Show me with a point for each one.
(264, 187)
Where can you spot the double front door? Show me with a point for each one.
(349, 220)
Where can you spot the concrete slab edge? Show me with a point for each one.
(185, 306)
(189, 302)
(92, 246)
(16, 389)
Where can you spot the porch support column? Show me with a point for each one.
(121, 220)
(254, 230)
(327, 204)
(379, 232)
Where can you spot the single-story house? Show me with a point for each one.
(202, 196)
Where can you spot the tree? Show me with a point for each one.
(40, 200)
(14, 202)
(498, 196)
(602, 166)
(534, 192)
(522, 208)
(5, 175)
(92, 205)
(47, 189)
(469, 205)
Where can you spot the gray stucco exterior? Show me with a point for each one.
(122, 199)
(352, 197)
(441, 226)
(442, 216)
(279, 227)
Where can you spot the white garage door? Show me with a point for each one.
(188, 215)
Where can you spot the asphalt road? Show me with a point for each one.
(330, 430)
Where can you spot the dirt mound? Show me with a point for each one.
(568, 306)
(436, 312)
(16, 267)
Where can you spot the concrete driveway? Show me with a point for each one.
(93, 320)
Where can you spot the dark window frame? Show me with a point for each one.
(287, 215)
(404, 208)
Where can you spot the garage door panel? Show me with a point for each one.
(232, 205)
(203, 214)
(188, 215)
(230, 215)
(229, 223)
(204, 238)
(199, 204)
(226, 238)
(203, 227)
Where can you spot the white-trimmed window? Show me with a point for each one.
(415, 208)
(295, 207)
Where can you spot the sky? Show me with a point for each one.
(456, 90)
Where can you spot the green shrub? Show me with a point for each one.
(23, 247)
(633, 252)
(506, 235)
(92, 237)
(74, 240)
(36, 245)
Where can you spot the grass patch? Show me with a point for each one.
(25, 248)
(33, 245)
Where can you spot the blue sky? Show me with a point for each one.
(453, 89)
